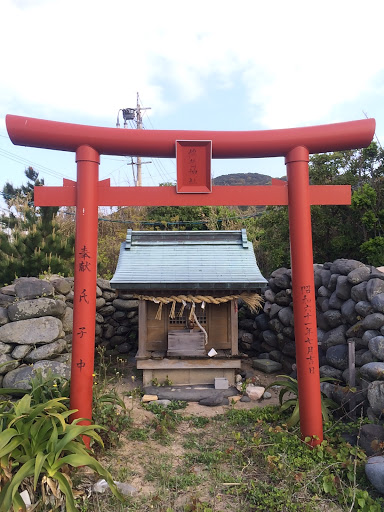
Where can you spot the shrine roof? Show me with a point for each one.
(187, 260)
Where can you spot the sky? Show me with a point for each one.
(204, 65)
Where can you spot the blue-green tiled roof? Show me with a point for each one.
(187, 260)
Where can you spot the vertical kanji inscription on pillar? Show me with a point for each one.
(309, 315)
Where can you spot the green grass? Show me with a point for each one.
(242, 461)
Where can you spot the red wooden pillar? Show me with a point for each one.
(83, 338)
(303, 289)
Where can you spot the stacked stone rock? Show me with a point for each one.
(116, 319)
(350, 308)
(36, 317)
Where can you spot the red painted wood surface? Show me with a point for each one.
(167, 196)
(84, 300)
(27, 131)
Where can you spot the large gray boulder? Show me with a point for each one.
(67, 320)
(47, 351)
(5, 299)
(20, 378)
(104, 284)
(371, 437)
(107, 310)
(286, 316)
(376, 346)
(32, 287)
(344, 266)
(374, 287)
(4, 348)
(358, 275)
(61, 285)
(330, 371)
(32, 331)
(7, 363)
(366, 358)
(337, 356)
(125, 305)
(334, 337)
(3, 316)
(378, 302)
(369, 334)
(375, 394)
(348, 311)
(363, 308)
(373, 371)
(334, 301)
(343, 288)
(270, 338)
(35, 308)
(20, 351)
(373, 321)
(359, 292)
(374, 469)
(60, 369)
(333, 317)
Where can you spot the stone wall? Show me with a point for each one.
(36, 317)
(36, 326)
(350, 308)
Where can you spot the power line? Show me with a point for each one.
(16, 158)
(176, 223)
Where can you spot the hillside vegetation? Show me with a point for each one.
(37, 240)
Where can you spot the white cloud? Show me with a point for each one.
(296, 60)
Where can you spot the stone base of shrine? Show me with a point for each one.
(188, 371)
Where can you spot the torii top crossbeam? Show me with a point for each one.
(27, 131)
(295, 144)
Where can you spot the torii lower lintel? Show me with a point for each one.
(258, 195)
(88, 193)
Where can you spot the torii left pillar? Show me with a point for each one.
(88, 160)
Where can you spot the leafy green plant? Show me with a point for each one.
(290, 385)
(37, 443)
(198, 421)
(110, 411)
(166, 419)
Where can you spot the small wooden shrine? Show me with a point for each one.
(188, 284)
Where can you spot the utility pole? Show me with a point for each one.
(139, 126)
(129, 114)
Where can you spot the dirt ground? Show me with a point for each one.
(136, 456)
(196, 466)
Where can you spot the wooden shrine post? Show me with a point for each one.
(194, 189)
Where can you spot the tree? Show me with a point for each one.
(355, 231)
(30, 241)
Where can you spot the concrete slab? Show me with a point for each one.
(188, 393)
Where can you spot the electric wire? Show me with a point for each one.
(18, 159)
(152, 222)
(175, 223)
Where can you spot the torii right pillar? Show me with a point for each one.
(303, 290)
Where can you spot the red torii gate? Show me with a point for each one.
(89, 142)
